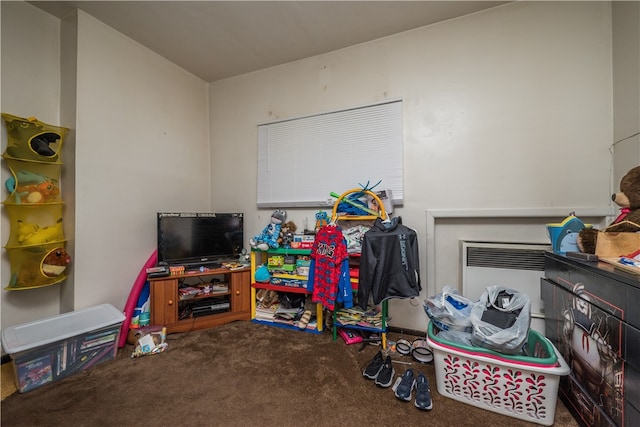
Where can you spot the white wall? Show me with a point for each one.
(140, 145)
(30, 87)
(626, 87)
(504, 109)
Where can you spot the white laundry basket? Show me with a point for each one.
(523, 387)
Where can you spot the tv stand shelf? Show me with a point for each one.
(167, 302)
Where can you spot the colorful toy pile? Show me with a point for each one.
(36, 245)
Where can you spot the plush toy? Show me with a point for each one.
(30, 187)
(33, 138)
(286, 234)
(39, 269)
(263, 275)
(322, 219)
(37, 193)
(268, 238)
(33, 234)
(24, 177)
(629, 201)
(26, 230)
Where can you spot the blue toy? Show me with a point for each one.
(262, 274)
(322, 219)
(564, 235)
(268, 238)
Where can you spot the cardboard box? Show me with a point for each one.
(291, 283)
(275, 261)
(56, 347)
(303, 241)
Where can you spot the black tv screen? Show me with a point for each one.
(188, 238)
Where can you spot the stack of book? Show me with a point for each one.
(188, 292)
(287, 315)
(202, 289)
(265, 313)
(356, 316)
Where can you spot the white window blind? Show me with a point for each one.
(301, 161)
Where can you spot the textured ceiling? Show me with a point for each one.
(220, 39)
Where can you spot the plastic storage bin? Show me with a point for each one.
(523, 387)
(47, 350)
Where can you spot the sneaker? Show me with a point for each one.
(385, 376)
(373, 368)
(404, 385)
(423, 393)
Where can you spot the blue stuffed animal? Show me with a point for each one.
(322, 219)
(268, 238)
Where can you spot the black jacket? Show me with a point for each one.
(389, 266)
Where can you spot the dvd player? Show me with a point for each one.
(210, 309)
(214, 306)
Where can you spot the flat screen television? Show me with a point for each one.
(200, 238)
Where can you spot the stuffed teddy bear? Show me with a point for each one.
(286, 234)
(268, 238)
(629, 201)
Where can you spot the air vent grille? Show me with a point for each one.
(505, 257)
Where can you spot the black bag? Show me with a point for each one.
(291, 300)
(501, 320)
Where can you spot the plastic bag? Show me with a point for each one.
(449, 310)
(463, 338)
(151, 342)
(501, 320)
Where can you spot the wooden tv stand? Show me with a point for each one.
(170, 309)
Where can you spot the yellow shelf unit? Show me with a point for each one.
(255, 262)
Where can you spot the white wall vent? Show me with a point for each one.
(518, 266)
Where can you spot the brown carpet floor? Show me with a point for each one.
(243, 374)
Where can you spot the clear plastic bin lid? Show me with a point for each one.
(62, 326)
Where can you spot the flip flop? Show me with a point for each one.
(304, 320)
